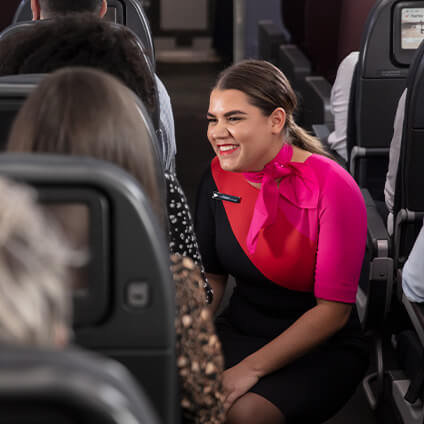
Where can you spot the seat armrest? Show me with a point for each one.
(378, 237)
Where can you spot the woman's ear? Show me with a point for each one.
(278, 120)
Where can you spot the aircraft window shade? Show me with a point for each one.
(408, 30)
(82, 214)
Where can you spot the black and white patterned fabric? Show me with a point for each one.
(182, 239)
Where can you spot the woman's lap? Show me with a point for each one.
(311, 389)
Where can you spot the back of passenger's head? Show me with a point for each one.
(35, 303)
(52, 8)
(267, 88)
(80, 40)
(85, 112)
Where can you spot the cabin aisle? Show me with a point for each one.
(189, 85)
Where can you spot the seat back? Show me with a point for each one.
(66, 387)
(125, 305)
(409, 198)
(126, 12)
(380, 80)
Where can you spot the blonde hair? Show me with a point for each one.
(267, 88)
(34, 258)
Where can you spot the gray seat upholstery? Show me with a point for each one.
(127, 308)
(67, 387)
(127, 12)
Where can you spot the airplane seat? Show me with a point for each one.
(125, 12)
(379, 84)
(8, 10)
(124, 302)
(408, 384)
(68, 387)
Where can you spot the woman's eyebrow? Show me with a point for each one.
(226, 115)
(234, 112)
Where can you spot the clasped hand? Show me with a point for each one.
(237, 381)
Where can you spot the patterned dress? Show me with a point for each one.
(199, 358)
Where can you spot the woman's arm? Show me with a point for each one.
(310, 330)
(217, 283)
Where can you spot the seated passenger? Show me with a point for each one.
(85, 112)
(34, 280)
(340, 94)
(84, 40)
(49, 9)
(413, 271)
(289, 224)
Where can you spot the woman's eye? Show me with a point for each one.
(234, 118)
(211, 120)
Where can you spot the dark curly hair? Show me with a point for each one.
(81, 39)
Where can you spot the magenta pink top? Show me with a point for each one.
(317, 240)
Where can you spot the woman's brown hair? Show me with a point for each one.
(267, 88)
(86, 112)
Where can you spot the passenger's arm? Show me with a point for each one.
(217, 283)
(394, 154)
(199, 358)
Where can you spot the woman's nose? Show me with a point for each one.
(219, 130)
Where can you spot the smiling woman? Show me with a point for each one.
(292, 342)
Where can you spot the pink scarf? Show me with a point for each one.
(298, 185)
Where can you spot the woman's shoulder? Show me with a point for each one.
(330, 174)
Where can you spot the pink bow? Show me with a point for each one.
(298, 184)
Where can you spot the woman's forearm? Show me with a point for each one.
(310, 330)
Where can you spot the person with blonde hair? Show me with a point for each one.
(35, 299)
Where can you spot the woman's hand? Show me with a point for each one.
(237, 381)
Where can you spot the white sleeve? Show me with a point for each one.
(413, 271)
(340, 94)
(394, 154)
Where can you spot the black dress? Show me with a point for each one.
(315, 386)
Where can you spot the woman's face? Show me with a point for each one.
(241, 136)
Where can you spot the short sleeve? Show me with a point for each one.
(205, 225)
(341, 238)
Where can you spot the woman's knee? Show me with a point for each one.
(254, 409)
